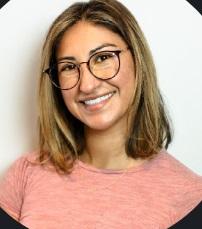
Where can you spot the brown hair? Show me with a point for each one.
(61, 135)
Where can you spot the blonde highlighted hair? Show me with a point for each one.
(61, 136)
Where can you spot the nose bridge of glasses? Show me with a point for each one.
(83, 62)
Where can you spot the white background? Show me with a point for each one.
(172, 30)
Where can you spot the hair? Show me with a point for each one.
(61, 136)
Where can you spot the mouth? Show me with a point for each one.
(98, 100)
(93, 104)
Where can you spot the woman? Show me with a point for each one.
(101, 162)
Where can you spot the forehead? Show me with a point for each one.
(84, 36)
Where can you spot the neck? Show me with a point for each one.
(106, 149)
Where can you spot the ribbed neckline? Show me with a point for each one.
(114, 171)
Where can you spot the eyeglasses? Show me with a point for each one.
(103, 65)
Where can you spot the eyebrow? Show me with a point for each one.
(91, 52)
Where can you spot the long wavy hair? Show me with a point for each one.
(61, 136)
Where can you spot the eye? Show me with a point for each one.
(102, 57)
(67, 67)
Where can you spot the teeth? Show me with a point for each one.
(98, 100)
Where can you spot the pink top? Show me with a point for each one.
(154, 195)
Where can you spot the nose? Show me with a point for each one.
(88, 83)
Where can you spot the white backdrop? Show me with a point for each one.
(172, 29)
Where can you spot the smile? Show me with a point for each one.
(98, 100)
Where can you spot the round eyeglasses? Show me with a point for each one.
(103, 65)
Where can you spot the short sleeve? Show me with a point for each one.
(12, 187)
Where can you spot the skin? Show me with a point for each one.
(106, 122)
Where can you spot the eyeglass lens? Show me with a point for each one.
(103, 65)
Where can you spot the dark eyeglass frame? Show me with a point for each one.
(51, 76)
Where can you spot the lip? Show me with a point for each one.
(97, 107)
(94, 97)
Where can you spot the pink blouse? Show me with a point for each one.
(154, 195)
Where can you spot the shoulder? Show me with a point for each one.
(169, 166)
(26, 160)
(176, 177)
(181, 186)
(29, 157)
(24, 166)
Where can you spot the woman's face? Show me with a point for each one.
(77, 45)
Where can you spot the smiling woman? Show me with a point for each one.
(103, 132)
(106, 88)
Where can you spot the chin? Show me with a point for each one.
(99, 126)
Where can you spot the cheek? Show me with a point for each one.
(68, 98)
(126, 78)
(127, 84)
